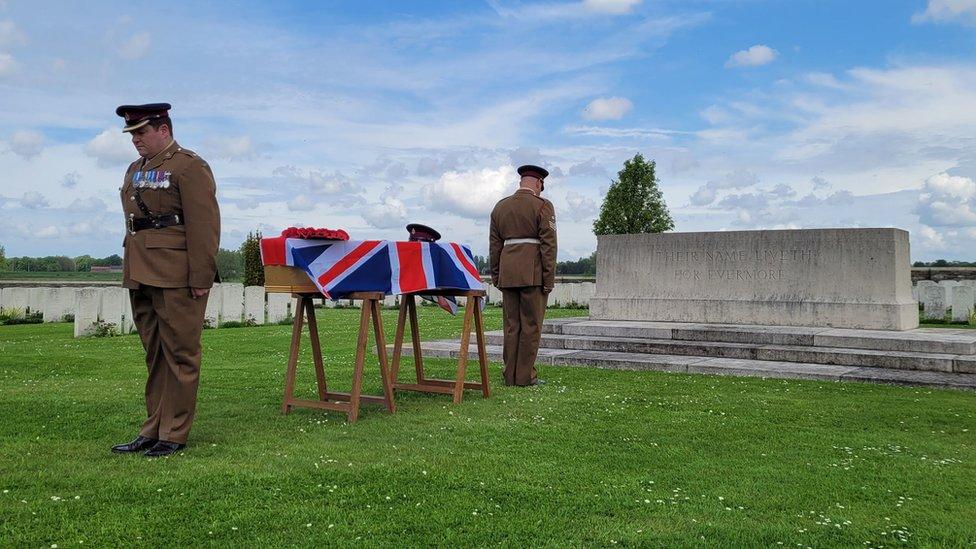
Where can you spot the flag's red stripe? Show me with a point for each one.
(464, 261)
(343, 264)
(412, 276)
(273, 251)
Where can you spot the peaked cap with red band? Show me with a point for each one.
(137, 116)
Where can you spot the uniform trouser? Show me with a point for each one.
(524, 309)
(169, 322)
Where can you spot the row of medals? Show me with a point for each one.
(152, 179)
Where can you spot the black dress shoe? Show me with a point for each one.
(538, 382)
(139, 444)
(164, 448)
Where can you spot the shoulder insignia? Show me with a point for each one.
(187, 152)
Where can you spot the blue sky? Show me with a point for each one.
(370, 115)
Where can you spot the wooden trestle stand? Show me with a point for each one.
(282, 279)
(456, 386)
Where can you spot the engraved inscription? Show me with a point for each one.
(778, 263)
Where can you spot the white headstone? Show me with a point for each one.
(15, 301)
(962, 303)
(211, 316)
(970, 284)
(949, 285)
(588, 290)
(87, 303)
(915, 292)
(494, 295)
(53, 310)
(390, 301)
(35, 300)
(254, 304)
(231, 302)
(933, 297)
(113, 304)
(66, 295)
(277, 307)
(128, 318)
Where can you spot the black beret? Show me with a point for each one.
(137, 116)
(534, 171)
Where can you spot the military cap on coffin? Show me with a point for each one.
(137, 116)
(422, 233)
(534, 171)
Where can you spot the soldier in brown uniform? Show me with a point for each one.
(522, 255)
(172, 233)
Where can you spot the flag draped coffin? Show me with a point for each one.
(338, 268)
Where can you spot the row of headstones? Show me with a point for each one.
(563, 294)
(938, 297)
(110, 307)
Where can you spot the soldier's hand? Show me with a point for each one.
(199, 292)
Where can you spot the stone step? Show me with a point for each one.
(783, 353)
(718, 366)
(922, 340)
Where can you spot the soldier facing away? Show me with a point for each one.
(169, 265)
(522, 256)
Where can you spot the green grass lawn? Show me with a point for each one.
(592, 458)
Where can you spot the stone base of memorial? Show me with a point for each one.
(846, 278)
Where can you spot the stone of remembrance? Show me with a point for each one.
(846, 278)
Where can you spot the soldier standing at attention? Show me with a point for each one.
(172, 233)
(522, 255)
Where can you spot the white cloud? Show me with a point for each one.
(51, 231)
(26, 143)
(753, 57)
(614, 7)
(7, 64)
(580, 207)
(607, 108)
(947, 201)
(70, 179)
(135, 47)
(230, 147)
(301, 203)
(336, 183)
(33, 200)
(589, 168)
(390, 212)
(10, 34)
(941, 11)
(471, 194)
(738, 179)
(111, 148)
(90, 205)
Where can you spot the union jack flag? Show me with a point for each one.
(339, 268)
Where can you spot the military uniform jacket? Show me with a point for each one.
(523, 215)
(176, 181)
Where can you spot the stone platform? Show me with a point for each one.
(925, 357)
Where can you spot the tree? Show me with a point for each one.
(83, 263)
(481, 264)
(251, 254)
(582, 266)
(3, 259)
(229, 264)
(65, 264)
(634, 203)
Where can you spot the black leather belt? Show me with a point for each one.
(135, 224)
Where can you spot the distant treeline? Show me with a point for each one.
(584, 266)
(229, 263)
(944, 263)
